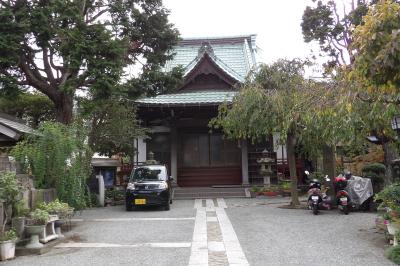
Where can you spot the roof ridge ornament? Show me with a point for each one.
(205, 48)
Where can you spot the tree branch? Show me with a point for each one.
(34, 79)
(47, 68)
(92, 19)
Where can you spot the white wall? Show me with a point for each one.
(140, 146)
(279, 148)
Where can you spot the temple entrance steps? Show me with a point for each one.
(209, 192)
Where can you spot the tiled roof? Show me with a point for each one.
(14, 124)
(235, 55)
(194, 98)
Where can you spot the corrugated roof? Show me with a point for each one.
(193, 98)
(235, 55)
(14, 125)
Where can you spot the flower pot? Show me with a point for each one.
(392, 227)
(18, 223)
(7, 250)
(271, 193)
(34, 231)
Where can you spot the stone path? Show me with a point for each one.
(214, 239)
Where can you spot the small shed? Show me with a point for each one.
(107, 167)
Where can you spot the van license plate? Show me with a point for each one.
(140, 201)
(314, 197)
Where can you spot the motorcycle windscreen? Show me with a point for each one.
(359, 189)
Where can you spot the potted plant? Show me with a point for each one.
(20, 212)
(286, 188)
(389, 199)
(61, 209)
(270, 191)
(7, 244)
(254, 191)
(35, 226)
(10, 193)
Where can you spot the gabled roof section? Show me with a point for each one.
(235, 55)
(193, 98)
(12, 127)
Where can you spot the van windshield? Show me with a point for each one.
(148, 173)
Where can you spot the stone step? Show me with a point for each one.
(193, 193)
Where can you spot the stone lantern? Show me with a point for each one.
(266, 171)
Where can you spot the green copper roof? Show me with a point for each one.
(235, 55)
(194, 98)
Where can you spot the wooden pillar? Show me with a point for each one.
(174, 153)
(245, 163)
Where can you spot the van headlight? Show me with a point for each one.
(163, 185)
(130, 186)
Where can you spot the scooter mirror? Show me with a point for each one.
(306, 172)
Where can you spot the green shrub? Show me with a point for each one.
(9, 235)
(10, 194)
(62, 209)
(19, 209)
(286, 185)
(393, 253)
(375, 171)
(59, 158)
(38, 217)
(256, 189)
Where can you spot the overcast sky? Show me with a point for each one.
(276, 23)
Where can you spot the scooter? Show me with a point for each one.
(342, 196)
(316, 198)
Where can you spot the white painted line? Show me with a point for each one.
(221, 203)
(216, 246)
(110, 245)
(199, 250)
(198, 203)
(233, 248)
(132, 219)
(210, 205)
(212, 219)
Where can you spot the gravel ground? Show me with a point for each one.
(273, 236)
(268, 235)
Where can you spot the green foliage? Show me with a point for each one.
(62, 209)
(325, 23)
(10, 193)
(31, 107)
(38, 217)
(59, 158)
(378, 54)
(59, 47)
(375, 171)
(286, 185)
(9, 235)
(19, 209)
(114, 126)
(393, 253)
(256, 189)
(389, 197)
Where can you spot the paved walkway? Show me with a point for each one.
(217, 232)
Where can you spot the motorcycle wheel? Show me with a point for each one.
(315, 209)
(345, 210)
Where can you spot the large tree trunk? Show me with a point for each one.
(390, 154)
(291, 156)
(329, 165)
(64, 106)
